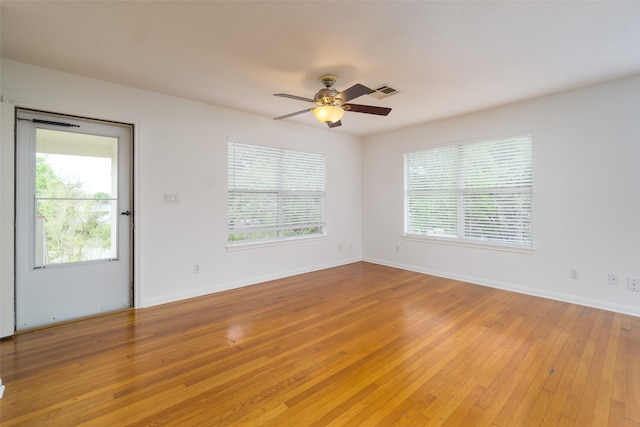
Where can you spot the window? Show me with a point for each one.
(475, 192)
(274, 194)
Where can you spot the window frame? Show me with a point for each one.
(460, 191)
(277, 191)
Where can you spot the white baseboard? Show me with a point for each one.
(587, 302)
(220, 287)
(573, 299)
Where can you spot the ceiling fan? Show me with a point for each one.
(332, 104)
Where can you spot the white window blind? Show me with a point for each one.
(274, 193)
(480, 191)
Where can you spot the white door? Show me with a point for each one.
(73, 218)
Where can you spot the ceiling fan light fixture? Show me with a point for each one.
(328, 113)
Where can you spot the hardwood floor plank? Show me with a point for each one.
(460, 377)
(577, 389)
(360, 344)
(604, 390)
(522, 351)
(616, 416)
(537, 398)
(565, 368)
(405, 378)
(632, 396)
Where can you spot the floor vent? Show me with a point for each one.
(383, 91)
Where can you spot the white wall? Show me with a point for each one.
(181, 147)
(586, 146)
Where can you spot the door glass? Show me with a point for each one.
(76, 203)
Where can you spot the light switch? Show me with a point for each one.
(171, 198)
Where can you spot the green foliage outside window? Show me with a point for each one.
(77, 224)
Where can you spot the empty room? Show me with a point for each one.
(327, 213)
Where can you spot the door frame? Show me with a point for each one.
(7, 220)
(8, 147)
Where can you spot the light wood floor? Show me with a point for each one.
(357, 345)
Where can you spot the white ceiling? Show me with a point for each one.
(445, 58)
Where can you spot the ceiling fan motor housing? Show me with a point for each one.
(328, 95)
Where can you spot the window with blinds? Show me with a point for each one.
(477, 192)
(274, 194)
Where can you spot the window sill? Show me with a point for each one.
(469, 244)
(241, 246)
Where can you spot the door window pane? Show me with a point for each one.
(76, 197)
(72, 230)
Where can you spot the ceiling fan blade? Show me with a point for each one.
(335, 124)
(299, 98)
(286, 116)
(354, 91)
(369, 109)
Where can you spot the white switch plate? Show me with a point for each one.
(171, 198)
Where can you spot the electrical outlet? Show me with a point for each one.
(633, 284)
(614, 279)
(573, 273)
(196, 268)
